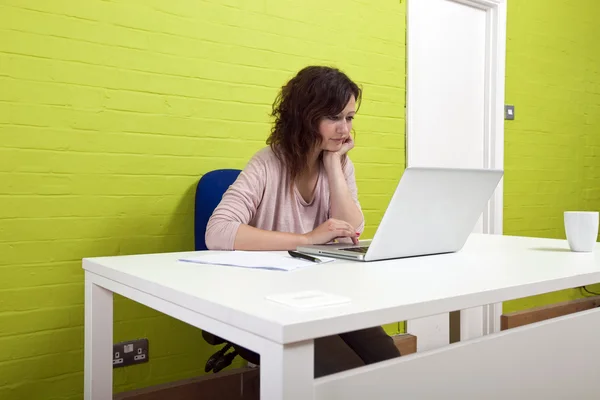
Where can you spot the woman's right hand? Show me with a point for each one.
(332, 229)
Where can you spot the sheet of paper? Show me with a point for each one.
(253, 259)
(308, 299)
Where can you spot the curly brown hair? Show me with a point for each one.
(314, 93)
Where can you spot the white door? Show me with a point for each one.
(455, 95)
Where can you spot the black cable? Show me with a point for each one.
(589, 291)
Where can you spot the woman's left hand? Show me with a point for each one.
(347, 146)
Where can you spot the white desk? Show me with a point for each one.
(489, 269)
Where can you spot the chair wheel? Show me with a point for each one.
(215, 359)
(224, 361)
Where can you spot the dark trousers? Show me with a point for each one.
(349, 350)
(345, 351)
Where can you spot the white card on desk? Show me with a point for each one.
(309, 299)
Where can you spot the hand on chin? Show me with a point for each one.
(335, 150)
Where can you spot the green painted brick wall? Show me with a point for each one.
(552, 148)
(109, 114)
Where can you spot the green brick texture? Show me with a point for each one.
(110, 112)
(552, 148)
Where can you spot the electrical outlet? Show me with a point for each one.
(130, 353)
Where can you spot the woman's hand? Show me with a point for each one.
(347, 146)
(331, 156)
(332, 229)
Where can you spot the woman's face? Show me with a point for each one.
(335, 129)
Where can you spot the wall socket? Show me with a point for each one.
(130, 353)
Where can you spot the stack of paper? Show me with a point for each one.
(253, 259)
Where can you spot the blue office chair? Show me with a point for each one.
(209, 192)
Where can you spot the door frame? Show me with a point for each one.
(481, 320)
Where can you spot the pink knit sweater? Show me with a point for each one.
(261, 197)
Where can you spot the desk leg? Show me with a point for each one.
(287, 372)
(98, 341)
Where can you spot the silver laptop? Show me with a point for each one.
(432, 211)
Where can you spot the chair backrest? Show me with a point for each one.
(209, 191)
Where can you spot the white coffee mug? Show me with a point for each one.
(581, 228)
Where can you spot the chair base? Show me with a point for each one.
(222, 359)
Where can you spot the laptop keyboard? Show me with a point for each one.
(361, 249)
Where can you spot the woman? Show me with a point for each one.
(301, 190)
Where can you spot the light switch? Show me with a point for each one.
(509, 112)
